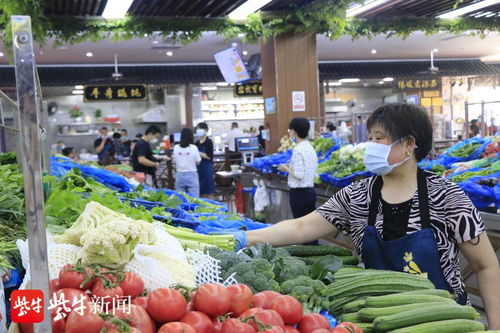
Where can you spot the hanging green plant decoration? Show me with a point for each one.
(326, 17)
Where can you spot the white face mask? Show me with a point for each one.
(153, 141)
(200, 132)
(376, 158)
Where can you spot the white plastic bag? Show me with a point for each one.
(261, 197)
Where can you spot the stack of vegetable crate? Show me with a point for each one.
(386, 301)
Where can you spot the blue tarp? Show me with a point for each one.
(343, 182)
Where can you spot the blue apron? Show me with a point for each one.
(206, 174)
(415, 253)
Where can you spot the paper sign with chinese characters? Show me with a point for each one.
(416, 84)
(106, 93)
(248, 89)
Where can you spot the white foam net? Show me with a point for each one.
(160, 265)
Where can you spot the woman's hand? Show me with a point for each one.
(481, 257)
(284, 168)
(204, 156)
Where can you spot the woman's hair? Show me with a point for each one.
(402, 120)
(202, 126)
(116, 135)
(331, 127)
(261, 128)
(187, 137)
(300, 126)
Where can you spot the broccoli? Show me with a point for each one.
(288, 268)
(227, 259)
(257, 274)
(311, 293)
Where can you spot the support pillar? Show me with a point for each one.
(289, 63)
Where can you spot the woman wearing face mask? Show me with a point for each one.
(402, 219)
(205, 168)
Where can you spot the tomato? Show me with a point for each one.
(289, 309)
(115, 330)
(72, 298)
(212, 299)
(132, 284)
(68, 278)
(313, 321)
(54, 286)
(58, 326)
(136, 317)
(105, 295)
(199, 321)
(264, 298)
(217, 325)
(321, 330)
(267, 317)
(84, 322)
(347, 327)
(291, 329)
(241, 298)
(274, 329)
(176, 327)
(250, 312)
(166, 304)
(235, 326)
(141, 301)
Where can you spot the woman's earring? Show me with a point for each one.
(408, 153)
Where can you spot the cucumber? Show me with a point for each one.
(355, 305)
(337, 304)
(352, 317)
(370, 314)
(401, 299)
(366, 327)
(423, 315)
(316, 250)
(444, 326)
(349, 260)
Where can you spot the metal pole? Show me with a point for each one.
(483, 120)
(466, 124)
(3, 146)
(30, 160)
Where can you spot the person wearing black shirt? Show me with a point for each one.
(205, 168)
(262, 140)
(142, 155)
(103, 146)
(126, 143)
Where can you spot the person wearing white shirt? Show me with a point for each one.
(301, 170)
(233, 135)
(186, 157)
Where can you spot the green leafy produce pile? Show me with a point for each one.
(343, 162)
(466, 150)
(322, 145)
(483, 172)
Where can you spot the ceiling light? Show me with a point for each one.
(89, 54)
(374, 51)
(155, 42)
(1, 54)
(146, 35)
(367, 5)
(209, 88)
(353, 80)
(334, 84)
(435, 50)
(234, 44)
(388, 79)
(170, 53)
(79, 87)
(77, 92)
(381, 82)
(249, 7)
(116, 9)
(245, 52)
(470, 8)
(222, 84)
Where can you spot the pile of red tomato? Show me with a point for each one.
(212, 308)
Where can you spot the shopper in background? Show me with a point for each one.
(344, 133)
(361, 132)
(186, 158)
(331, 130)
(138, 136)
(60, 146)
(205, 168)
(301, 170)
(117, 144)
(233, 134)
(473, 128)
(404, 217)
(126, 143)
(70, 153)
(262, 137)
(142, 155)
(103, 146)
(493, 128)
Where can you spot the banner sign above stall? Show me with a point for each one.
(248, 89)
(114, 92)
(416, 84)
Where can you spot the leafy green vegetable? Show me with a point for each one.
(466, 150)
(483, 172)
(8, 158)
(325, 267)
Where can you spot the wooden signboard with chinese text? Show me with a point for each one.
(114, 92)
(416, 84)
(248, 89)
